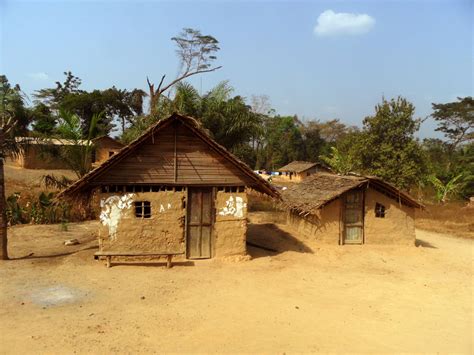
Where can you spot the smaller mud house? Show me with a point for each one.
(173, 190)
(104, 148)
(44, 153)
(299, 170)
(351, 210)
(40, 153)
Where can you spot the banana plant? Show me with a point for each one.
(338, 162)
(444, 190)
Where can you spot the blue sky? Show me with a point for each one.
(422, 50)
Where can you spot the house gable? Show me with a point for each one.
(153, 162)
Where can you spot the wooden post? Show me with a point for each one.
(175, 153)
(169, 258)
(108, 261)
(3, 217)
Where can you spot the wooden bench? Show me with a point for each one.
(108, 256)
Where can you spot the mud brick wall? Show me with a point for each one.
(324, 226)
(122, 231)
(398, 225)
(230, 228)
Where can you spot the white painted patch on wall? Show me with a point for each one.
(234, 208)
(112, 209)
(163, 209)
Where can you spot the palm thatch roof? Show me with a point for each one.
(320, 189)
(297, 166)
(86, 182)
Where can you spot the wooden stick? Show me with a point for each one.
(169, 259)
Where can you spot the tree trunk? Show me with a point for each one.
(3, 217)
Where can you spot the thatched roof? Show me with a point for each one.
(298, 166)
(86, 182)
(106, 141)
(318, 190)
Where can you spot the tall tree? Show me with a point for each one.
(456, 120)
(196, 53)
(17, 106)
(334, 130)
(53, 97)
(284, 141)
(314, 143)
(111, 104)
(10, 98)
(44, 120)
(388, 147)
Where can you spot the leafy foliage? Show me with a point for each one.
(11, 115)
(39, 210)
(443, 191)
(77, 153)
(338, 162)
(456, 120)
(195, 51)
(51, 181)
(228, 119)
(387, 147)
(283, 141)
(111, 104)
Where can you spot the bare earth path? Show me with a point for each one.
(302, 299)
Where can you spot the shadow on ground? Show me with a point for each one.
(422, 243)
(57, 255)
(268, 239)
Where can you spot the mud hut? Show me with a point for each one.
(297, 171)
(45, 153)
(41, 153)
(104, 148)
(172, 191)
(351, 210)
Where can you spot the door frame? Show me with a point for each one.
(343, 217)
(186, 220)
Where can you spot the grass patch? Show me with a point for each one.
(453, 218)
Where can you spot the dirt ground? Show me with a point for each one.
(29, 180)
(302, 298)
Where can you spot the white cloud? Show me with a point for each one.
(39, 76)
(331, 23)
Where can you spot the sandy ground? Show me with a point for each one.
(302, 298)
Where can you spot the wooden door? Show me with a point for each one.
(199, 223)
(353, 217)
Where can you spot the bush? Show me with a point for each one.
(38, 210)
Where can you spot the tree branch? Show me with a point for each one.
(161, 82)
(187, 75)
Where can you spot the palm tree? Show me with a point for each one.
(9, 97)
(77, 154)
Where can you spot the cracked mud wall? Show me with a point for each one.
(122, 231)
(230, 227)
